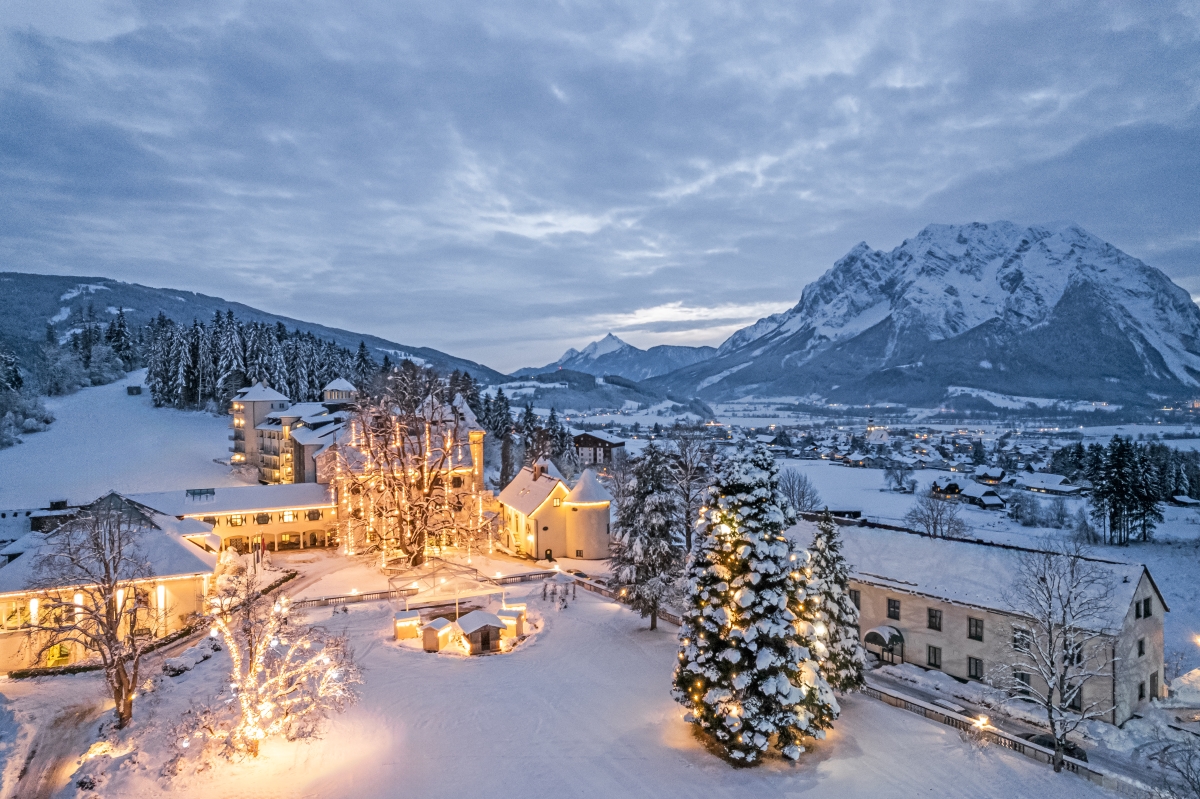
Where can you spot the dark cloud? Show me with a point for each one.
(504, 179)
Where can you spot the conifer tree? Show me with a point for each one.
(831, 612)
(647, 554)
(746, 670)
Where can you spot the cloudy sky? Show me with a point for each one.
(502, 180)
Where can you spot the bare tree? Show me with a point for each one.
(898, 475)
(618, 475)
(799, 491)
(1065, 605)
(1181, 760)
(936, 517)
(403, 473)
(692, 474)
(94, 578)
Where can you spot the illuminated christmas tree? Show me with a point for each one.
(831, 611)
(746, 668)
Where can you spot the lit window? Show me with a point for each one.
(557, 501)
(236, 520)
(289, 515)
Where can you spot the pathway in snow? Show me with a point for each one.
(105, 439)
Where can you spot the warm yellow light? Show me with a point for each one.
(981, 722)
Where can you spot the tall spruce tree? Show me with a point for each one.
(832, 613)
(647, 555)
(746, 670)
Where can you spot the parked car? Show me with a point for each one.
(1047, 741)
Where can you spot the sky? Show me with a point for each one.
(501, 180)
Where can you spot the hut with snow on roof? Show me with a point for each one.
(483, 631)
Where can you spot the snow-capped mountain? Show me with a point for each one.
(1040, 311)
(612, 356)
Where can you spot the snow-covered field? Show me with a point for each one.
(583, 710)
(104, 439)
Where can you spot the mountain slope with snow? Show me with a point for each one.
(612, 356)
(1039, 311)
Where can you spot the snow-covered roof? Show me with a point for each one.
(991, 472)
(478, 619)
(315, 435)
(438, 624)
(967, 572)
(978, 491)
(588, 489)
(525, 494)
(603, 436)
(300, 410)
(258, 392)
(1045, 482)
(238, 499)
(340, 384)
(164, 544)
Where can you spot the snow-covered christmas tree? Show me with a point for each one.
(746, 668)
(647, 552)
(832, 613)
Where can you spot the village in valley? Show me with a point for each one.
(758, 587)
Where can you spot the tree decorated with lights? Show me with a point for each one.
(831, 611)
(746, 666)
(284, 678)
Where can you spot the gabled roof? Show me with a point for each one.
(967, 572)
(526, 494)
(164, 544)
(237, 499)
(478, 619)
(258, 392)
(978, 491)
(603, 436)
(588, 489)
(340, 384)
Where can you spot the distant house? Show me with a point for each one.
(990, 475)
(982, 495)
(765, 439)
(1045, 483)
(855, 459)
(597, 447)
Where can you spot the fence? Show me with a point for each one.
(596, 588)
(401, 593)
(1114, 782)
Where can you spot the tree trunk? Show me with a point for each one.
(654, 616)
(1058, 756)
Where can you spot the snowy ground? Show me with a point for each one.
(581, 710)
(104, 439)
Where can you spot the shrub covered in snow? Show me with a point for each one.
(833, 615)
(746, 670)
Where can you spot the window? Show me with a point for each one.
(1141, 691)
(263, 518)
(579, 553)
(856, 598)
(558, 502)
(1141, 647)
(975, 629)
(210, 520)
(894, 609)
(975, 668)
(1076, 701)
(935, 620)
(1154, 685)
(314, 515)
(456, 481)
(1022, 639)
(1146, 608)
(1022, 682)
(1137, 609)
(933, 656)
(288, 516)
(237, 520)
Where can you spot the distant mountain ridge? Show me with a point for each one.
(28, 302)
(612, 356)
(1040, 311)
